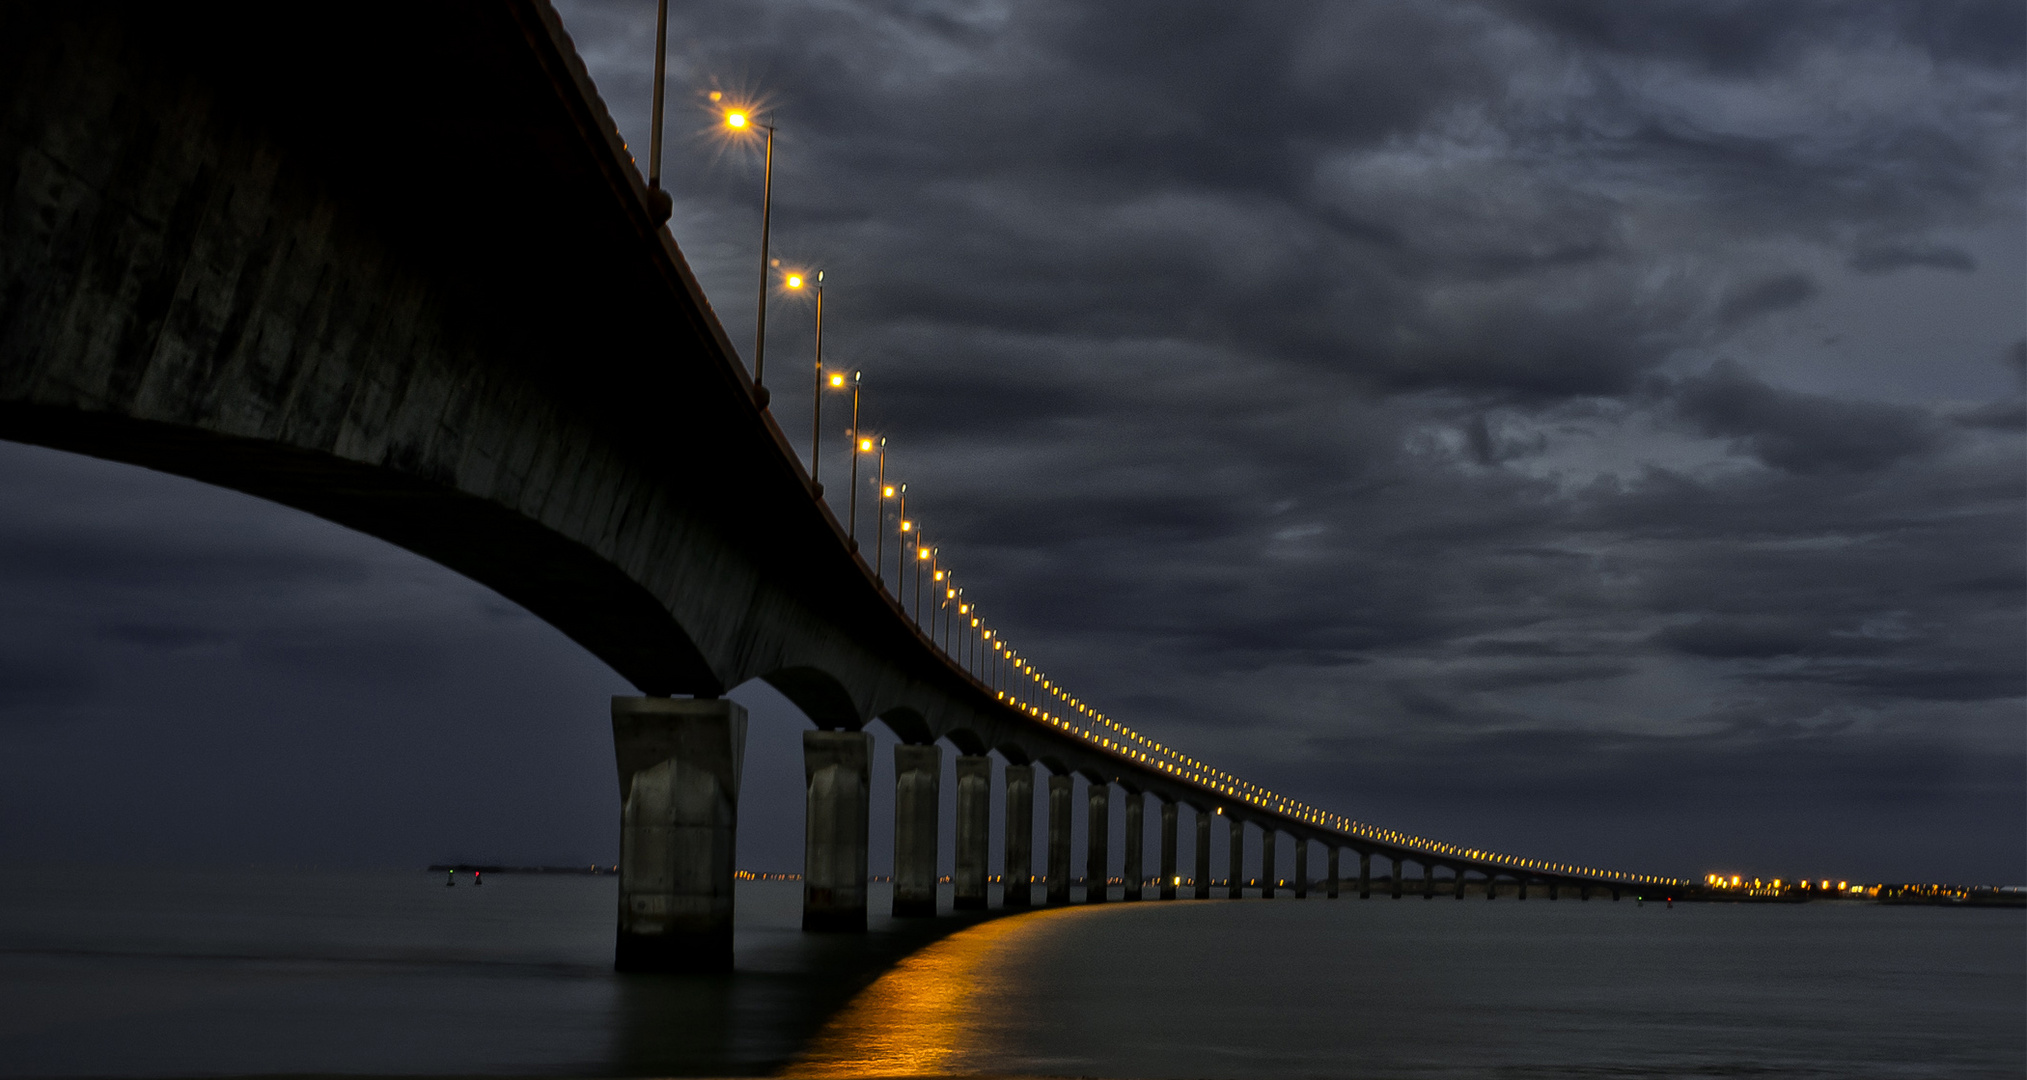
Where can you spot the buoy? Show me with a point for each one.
(476, 880)
(450, 879)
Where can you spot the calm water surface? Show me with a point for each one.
(191, 973)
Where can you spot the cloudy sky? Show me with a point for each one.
(1586, 429)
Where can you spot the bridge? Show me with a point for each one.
(395, 267)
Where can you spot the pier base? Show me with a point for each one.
(679, 764)
(837, 774)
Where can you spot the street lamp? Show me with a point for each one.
(860, 445)
(880, 519)
(660, 206)
(816, 411)
(741, 121)
(901, 547)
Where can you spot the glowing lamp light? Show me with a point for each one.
(837, 380)
(865, 445)
(736, 120)
(887, 492)
(922, 553)
(794, 281)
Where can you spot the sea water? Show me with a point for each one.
(178, 972)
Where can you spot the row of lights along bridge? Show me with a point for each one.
(952, 621)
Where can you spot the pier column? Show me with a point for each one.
(1168, 874)
(918, 778)
(974, 831)
(1428, 880)
(1017, 859)
(1491, 885)
(1235, 885)
(1301, 868)
(1202, 888)
(1133, 872)
(679, 764)
(1331, 888)
(1269, 840)
(1552, 888)
(1097, 841)
(1061, 790)
(837, 777)
(1584, 891)
(1400, 871)
(1365, 875)
(1520, 888)
(1459, 883)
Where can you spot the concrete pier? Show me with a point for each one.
(1235, 887)
(1400, 870)
(1331, 858)
(1202, 889)
(1459, 883)
(1061, 790)
(1365, 875)
(1491, 887)
(974, 832)
(679, 764)
(1133, 873)
(1168, 840)
(918, 779)
(1552, 888)
(837, 774)
(1520, 888)
(1270, 840)
(1428, 881)
(1097, 841)
(1301, 868)
(1017, 858)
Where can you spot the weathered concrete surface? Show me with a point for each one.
(1061, 790)
(1168, 842)
(679, 765)
(1017, 866)
(837, 776)
(1097, 842)
(974, 832)
(918, 781)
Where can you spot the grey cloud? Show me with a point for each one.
(1804, 433)
(1886, 259)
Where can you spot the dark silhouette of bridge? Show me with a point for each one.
(394, 266)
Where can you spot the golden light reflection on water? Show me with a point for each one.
(921, 1018)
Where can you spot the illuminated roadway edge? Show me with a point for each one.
(509, 75)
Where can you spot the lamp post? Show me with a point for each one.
(860, 445)
(816, 401)
(880, 522)
(741, 120)
(901, 547)
(659, 203)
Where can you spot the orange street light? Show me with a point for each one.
(740, 121)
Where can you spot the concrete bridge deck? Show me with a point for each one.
(393, 266)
